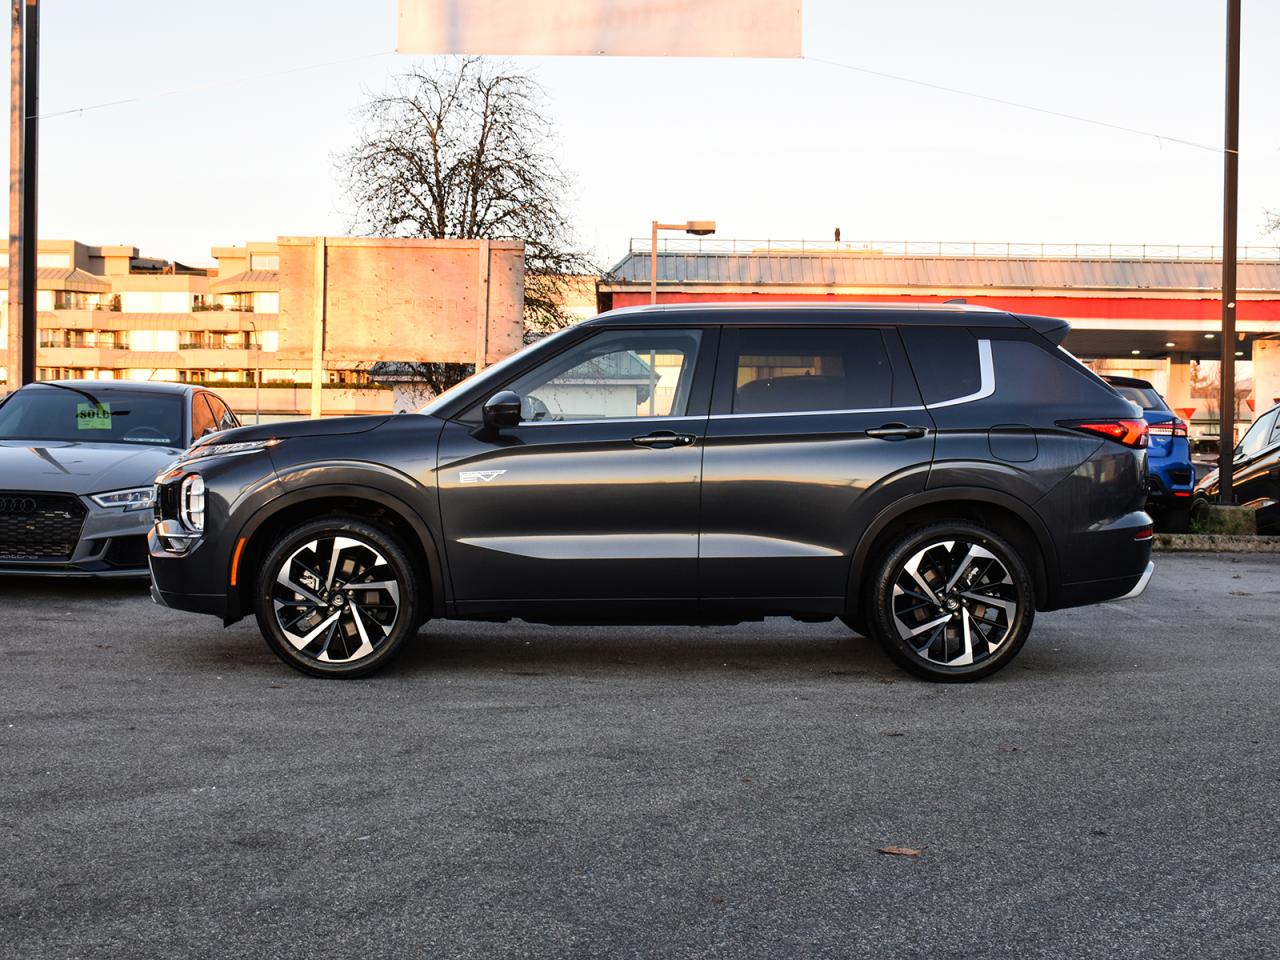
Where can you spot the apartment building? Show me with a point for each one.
(104, 312)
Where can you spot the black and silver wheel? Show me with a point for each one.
(952, 602)
(337, 598)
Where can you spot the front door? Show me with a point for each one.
(1257, 475)
(594, 495)
(814, 429)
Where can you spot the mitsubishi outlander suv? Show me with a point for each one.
(931, 476)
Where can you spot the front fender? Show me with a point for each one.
(414, 504)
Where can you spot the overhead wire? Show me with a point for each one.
(1017, 104)
(196, 88)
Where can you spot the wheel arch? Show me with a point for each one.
(367, 503)
(1005, 515)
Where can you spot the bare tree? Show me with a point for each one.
(465, 151)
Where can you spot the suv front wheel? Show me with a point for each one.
(336, 597)
(951, 602)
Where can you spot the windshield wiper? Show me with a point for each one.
(64, 386)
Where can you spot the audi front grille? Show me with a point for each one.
(39, 526)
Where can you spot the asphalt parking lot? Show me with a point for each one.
(170, 789)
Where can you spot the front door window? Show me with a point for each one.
(620, 374)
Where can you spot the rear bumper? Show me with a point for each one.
(1170, 482)
(1117, 553)
(1141, 587)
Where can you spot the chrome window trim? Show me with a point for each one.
(986, 387)
(812, 413)
(657, 419)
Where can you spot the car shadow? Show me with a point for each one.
(774, 648)
(83, 588)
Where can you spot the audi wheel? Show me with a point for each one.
(952, 602)
(337, 598)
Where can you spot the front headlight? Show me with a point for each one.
(135, 498)
(191, 503)
(222, 449)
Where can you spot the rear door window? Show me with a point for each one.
(803, 370)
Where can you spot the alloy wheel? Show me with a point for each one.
(336, 599)
(954, 603)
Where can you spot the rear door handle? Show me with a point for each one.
(897, 431)
(664, 439)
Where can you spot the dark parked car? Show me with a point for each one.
(78, 459)
(931, 476)
(1256, 477)
(1170, 473)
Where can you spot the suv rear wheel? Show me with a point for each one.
(336, 597)
(951, 602)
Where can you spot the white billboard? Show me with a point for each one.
(615, 28)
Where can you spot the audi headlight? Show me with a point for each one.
(191, 503)
(135, 498)
(223, 449)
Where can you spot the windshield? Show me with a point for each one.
(1145, 397)
(82, 415)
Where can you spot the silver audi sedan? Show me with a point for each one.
(77, 464)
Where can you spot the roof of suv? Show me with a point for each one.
(922, 313)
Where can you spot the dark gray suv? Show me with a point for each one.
(932, 476)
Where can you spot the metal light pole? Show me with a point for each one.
(1230, 192)
(24, 107)
(257, 373)
(1230, 179)
(699, 228)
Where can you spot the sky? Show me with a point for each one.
(215, 153)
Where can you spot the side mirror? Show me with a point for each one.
(502, 410)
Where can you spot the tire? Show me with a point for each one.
(928, 624)
(314, 609)
(1174, 520)
(1199, 512)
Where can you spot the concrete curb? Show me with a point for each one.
(1214, 543)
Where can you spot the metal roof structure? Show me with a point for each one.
(870, 270)
(247, 281)
(64, 278)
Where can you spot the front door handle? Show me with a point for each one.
(664, 440)
(897, 431)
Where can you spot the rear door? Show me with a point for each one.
(813, 430)
(594, 495)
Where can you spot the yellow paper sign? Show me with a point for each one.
(91, 416)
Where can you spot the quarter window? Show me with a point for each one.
(800, 369)
(616, 374)
(945, 362)
(202, 419)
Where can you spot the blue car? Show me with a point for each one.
(1170, 475)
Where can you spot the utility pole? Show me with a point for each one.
(24, 107)
(1227, 339)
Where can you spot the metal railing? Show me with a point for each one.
(958, 248)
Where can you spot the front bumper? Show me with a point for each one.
(182, 580)
(112, 545)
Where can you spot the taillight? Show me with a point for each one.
(1174, 428)
(1132, 433)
